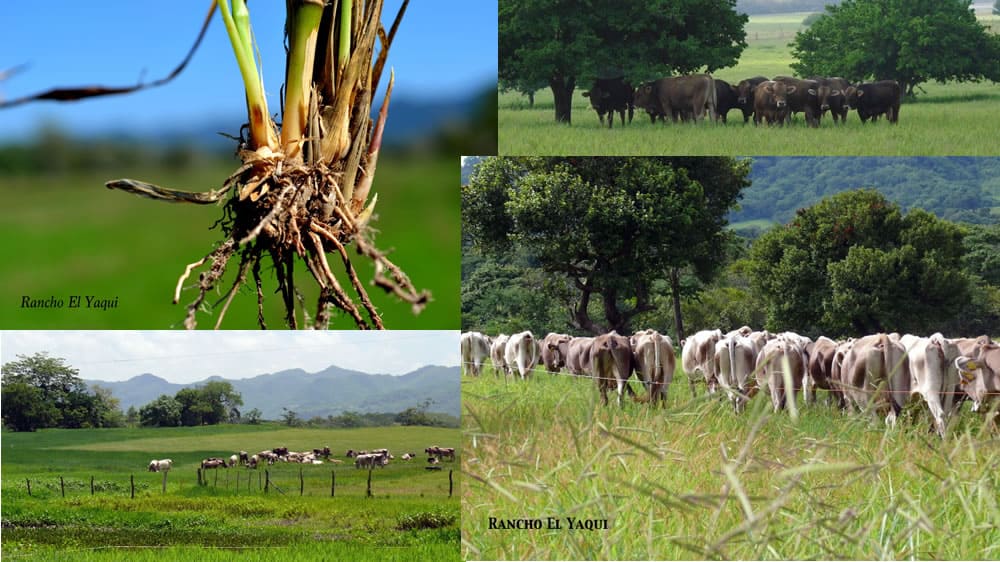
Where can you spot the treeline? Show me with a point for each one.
(954, 189)
(853, 263)
(40, 392)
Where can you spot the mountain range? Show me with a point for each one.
(327, 392)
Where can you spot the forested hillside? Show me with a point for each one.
(955, 189)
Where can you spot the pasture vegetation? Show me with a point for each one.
(945, 119)
(409, 517)
(696, 481)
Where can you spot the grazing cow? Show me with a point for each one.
(367, 461)
(475, 350)
(654, 363)
(244, 457)
(555, 348)
(726, 98)
(876, 373)
(872, 99)
(252, 461)
(678, 96)
(832, 98)
(160, 465)
(578, 356)
(433, 460)
(933, 375)
(611, 364)
(324, 452)
(758, 340)
(213, 462)
(979, 369)
(280, 451)
(771, 103)
(771, 370)
(441, 452)
(745, 96)
(734, 362)
(699, 355)
(803, 96)
(406, 456)
(819, 370)
(498, 355)
(522, 353)
(350, 453)
(609, 95)
(234, 460)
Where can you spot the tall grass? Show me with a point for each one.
(696, 481)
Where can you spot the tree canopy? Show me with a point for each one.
(910, 41)
(855, 264)
(40, 391)
(212, 403)
(564, 44)
(609, 227)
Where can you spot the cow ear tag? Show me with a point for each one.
(971, 365)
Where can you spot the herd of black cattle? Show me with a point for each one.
(690, 97)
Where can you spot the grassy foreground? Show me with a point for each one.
(410, 515)
(696, 481)
(946, 119)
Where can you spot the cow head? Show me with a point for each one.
(779, 92)
(852, 96)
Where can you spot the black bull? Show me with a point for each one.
(609, 95)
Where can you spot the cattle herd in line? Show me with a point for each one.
(691, 97)
(377, 458)
(878, 372)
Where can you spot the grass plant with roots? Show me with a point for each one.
(303, 190)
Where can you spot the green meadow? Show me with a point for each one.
(67, 235)
(694, 480)
(409, 516)
(946, 119)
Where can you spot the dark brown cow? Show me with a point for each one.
(770, 102)
(744, 93)
(832, 97)
(609, 95)
(555, 349)
(726, 98)
(681, 97)
(611, 364)
(875, 98)
(802, 99)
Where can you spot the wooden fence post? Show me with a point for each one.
(369, 482)
(237, 482)
(258, 480)
(164, 488)
(29, 486)
(91, 485)
(302, 484)
(131, 478)
(267, 480)
(451, 483)
(199, 477)
(215, 483)
(333, 483)
(62, 486)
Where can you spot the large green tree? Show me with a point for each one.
(611, 227)
(910, 41)
(854, 264)
(567, 43)
(165, 411)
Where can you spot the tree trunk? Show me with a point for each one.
(675, 295)
(616, 320)
(581, 316)
(531, 99)
(562, 92)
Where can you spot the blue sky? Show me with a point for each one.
(183, 357)
(443, 49)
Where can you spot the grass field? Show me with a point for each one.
(68, 235)
(947, 119)
(409, 517)
(696, 481)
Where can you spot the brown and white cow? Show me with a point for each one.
(498, 352)
(734, 362)
(611, 364)
(781, 368)
(521, 353)
(770, 103)
(876, 375)
(555, 349)
(475, 350)
(654, 363)
(698, 354)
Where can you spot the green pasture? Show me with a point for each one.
(69, 235)
(694, 480)
(945, 120)
(409, 515)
